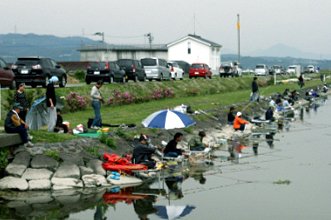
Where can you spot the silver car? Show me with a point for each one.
(156, 68)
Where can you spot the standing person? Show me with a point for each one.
(171, 149)
(14, 124)
(96, 104)
(195, 142)
(322, 77)
(51, 103)
(239, 123)
(255, 90)
(301, 81)
(231, 116)
(20, 97)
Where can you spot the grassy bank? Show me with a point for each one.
(210, 93)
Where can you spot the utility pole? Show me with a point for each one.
(150, 39)
(238, 27)
(194, 23)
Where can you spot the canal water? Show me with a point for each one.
(291, 180)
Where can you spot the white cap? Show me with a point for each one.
(239, 114)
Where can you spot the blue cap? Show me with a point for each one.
(54, 79)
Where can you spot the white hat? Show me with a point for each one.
(239, 114)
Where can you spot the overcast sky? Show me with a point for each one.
(302, 24)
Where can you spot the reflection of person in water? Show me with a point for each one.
(144, 207)
(199, 177)
(174, 185)
(99, 215)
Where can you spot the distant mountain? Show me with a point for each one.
(13, 46)
(282, 50)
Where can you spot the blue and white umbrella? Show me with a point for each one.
(167, 119)
(172, 212)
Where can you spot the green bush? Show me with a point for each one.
(94, 151)
(110, 142)
(3, 157)
(79, 74)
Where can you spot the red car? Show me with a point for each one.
(7, 77)
(199, 70)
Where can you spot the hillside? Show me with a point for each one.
(58, 48)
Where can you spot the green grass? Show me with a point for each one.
(50, 137)
(226, 91)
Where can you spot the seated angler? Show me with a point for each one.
(231, 116)
(239, 123)
(171, 149)
(195, 143)
(142, 153)
(14, 124)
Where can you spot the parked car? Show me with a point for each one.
(133, 69)
(278, 69)
(261, 70)
(291, 70)
(230, 69)
(311, 69)
(156, 68)
(176, 71)
(108, 71)
(182, 64)
(7, 77)
(199, 70)
(37, 71)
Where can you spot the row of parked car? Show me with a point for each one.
(150, 69)
(262, 69)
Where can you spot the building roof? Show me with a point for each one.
(197, 38)
(121, 47)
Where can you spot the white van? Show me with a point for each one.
(261, 70)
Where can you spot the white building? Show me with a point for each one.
(191, 49)
(195, 49)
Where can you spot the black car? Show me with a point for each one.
(133, 69)
(183, 65)
(37, 71)
(7, 77)
(106, 71)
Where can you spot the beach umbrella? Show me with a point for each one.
(37, 116)
(172, 212)
(167, 119)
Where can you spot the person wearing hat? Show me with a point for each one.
(195, 143)
(96, 104)
(20, 97)
(14, 124)
(239, 123)
(142, 153)
(51, 103)
(231, 116)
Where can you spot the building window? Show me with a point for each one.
(188, 47)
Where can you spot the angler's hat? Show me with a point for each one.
(239, 114)
(17, 105)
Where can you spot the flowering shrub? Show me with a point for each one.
(74, 102)
(121, 98)
(162, 94)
